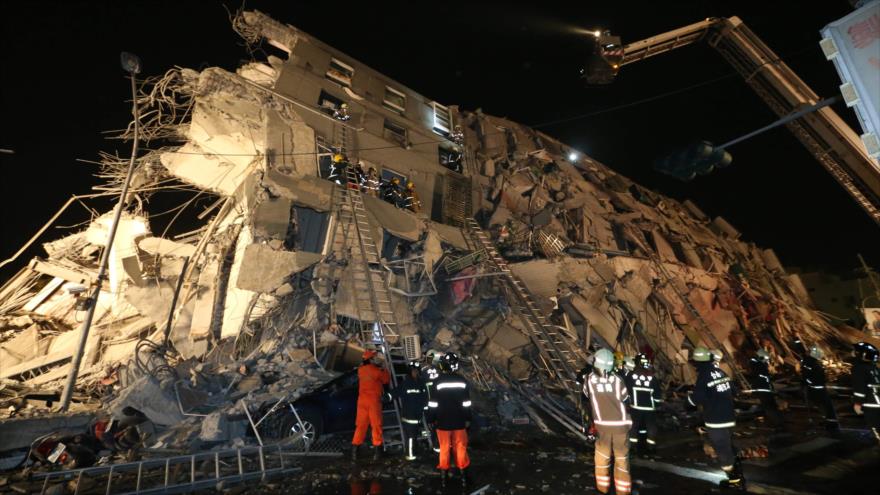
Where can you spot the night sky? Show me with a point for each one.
(62, 88)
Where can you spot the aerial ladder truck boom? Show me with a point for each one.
(834, 144)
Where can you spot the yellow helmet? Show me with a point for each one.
(395, 181)
(338, 158)
(410, 185)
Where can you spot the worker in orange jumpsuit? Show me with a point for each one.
(372, 378)
(449, 411)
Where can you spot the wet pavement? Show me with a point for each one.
(804, 458)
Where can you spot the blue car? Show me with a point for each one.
(331, 408)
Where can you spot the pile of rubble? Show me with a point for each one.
(268, 305)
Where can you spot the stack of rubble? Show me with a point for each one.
(265, 287)
(627, 268)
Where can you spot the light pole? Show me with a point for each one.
(131, 64)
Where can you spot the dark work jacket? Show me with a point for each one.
(450, 404)
(644, 389)
(714, 392)
(759, 378)
(429, 374)
(813, 372)
(413, 397)
(866, 385)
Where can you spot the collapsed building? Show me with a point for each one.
(519, 257)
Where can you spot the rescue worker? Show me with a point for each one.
(411, 198)
(866, 388)
(341, 113)
(413, 397)
(626, 367)
(714, 392)
(359, 176)
(372, 378)
(430, 373)
(450, 411)
(813, 374)
(457, 135)
(644, 389)
(338, 169)
(390, 191)
(859, 367)
(370, 183)
(762, 386)
(607, 394)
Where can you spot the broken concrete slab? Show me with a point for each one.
(264, 269)
(396, 221)
(147, 396)
(309, 191)
(272, 218)
(163, 247)
(152, 300)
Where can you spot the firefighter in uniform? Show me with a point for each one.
(413, 397)
(627, 365)
(813, 374)
(449, 410)
(644, 390)
(866, 388)
(338, 168)
(390, 191)
(859, 363)
(372, 378)
(762, 386)
(370, 183)
(714, 392)
(430, 373)
(608, 395)
(359, 176)
(411, 198)
(342, 113)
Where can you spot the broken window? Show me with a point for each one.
(329, 103)
(388, 174)
(395, 133)
(450, 157)
(311, 230)
(442, 119)
(340, 72)
(325, 157)
(394, 100)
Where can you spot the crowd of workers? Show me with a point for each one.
(623, 401)
(621, 397)
(369, 182)
(431, 394)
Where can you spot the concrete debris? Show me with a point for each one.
(264, 269)
(278, 297)
(147, 395)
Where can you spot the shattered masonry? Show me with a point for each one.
(267, 286)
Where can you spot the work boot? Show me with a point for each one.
(735, 479)
(444, 477)
(354, 453)
(377, 452)
(465, 481)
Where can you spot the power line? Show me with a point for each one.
(633, 103)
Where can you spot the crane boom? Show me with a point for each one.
(831, 141)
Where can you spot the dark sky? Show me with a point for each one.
(62, 87)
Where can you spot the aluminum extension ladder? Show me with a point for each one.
(559, 354)
(181, 474)
(704, 327)
(369, 288)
